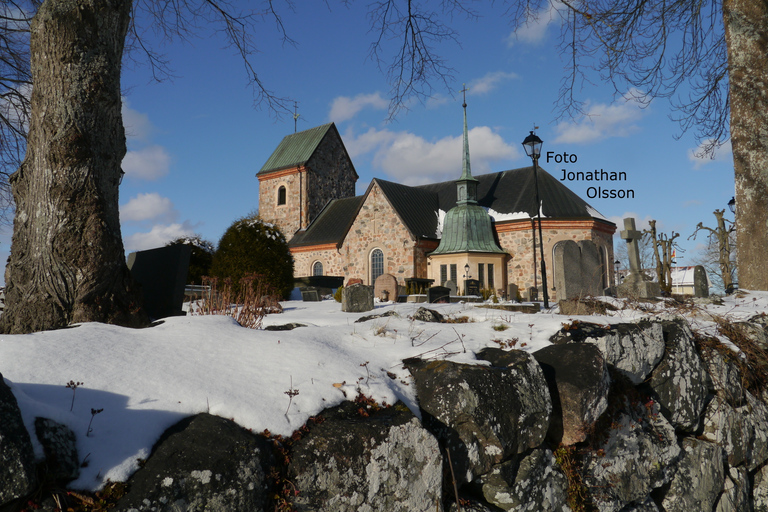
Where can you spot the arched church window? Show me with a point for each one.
(377, 264)
(281, 195)
(317, 269)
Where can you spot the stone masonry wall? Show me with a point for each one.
(331, 175)
(378, 226)
(288, 216)
(515, 238)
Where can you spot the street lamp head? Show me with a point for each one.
(532, 145)
(732, 205)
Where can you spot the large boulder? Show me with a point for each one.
(60, 449)
(737, 492)
(699, 478)
(578, 384)
(755, 413)
(637, 455)
(203, 463)
(725, 377)
(681, 381)
(633, 349)
(483, 414)
(729, 429)
(357, 460)
(531, 483)
(18, 476)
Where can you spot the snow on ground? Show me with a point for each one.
(145, 380)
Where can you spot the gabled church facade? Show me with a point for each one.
(432, 231)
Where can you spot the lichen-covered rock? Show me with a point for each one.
(382, 462)
(484, 414)
(760, 490)
(427, 315)
(203, 463)
(17, 460)
(639, 455)
(699, 478)
(60, 449)
(646, 505)
(725, 377)
(680, 380)
(578, 384)
(755, 413)
(531, 483)
(633, 349)
(729, 429)
(737, 493)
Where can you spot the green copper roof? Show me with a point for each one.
(296, 149)
(467, 228)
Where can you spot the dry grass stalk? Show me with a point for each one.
(248, 307)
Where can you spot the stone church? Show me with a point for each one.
(478, 227)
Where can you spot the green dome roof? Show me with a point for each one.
(467, 228)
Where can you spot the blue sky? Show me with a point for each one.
(196, 142)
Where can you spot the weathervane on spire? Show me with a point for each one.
(295, 115)
(464, 91)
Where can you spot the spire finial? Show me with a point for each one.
(295, 115)
(466, 171)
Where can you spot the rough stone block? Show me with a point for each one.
(357, 298)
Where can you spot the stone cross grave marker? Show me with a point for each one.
(633, 237)
(635, 285)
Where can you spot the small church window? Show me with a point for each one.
(377, 264)
(317, 269)
(481, 273)
(491, 282)
(454, 274)
(443, 274)
(281, 196)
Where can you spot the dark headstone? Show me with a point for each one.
(357, 298)
(578, 271)
(591, 269)
(700, 282)
(310, 295)
(439, 294)
(531, 294)
(512, 291)
(162, 274)
(471, 287)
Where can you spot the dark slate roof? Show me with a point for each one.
(504, 192)
(295, 149)
(417, 208)
(514, 191)
(331, 225)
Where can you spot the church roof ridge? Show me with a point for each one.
(296, 148)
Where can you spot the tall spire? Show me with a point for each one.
(466, 185)
(466, 171)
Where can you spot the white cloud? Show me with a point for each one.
(489, 82)
(158, 236)
(149, 163)
(535, 29)
(137, 125)
(723, 154)
(413, 160)
(344, 107)
(603, 120)
(151, 206)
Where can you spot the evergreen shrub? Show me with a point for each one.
(201, 258)
(252, 246)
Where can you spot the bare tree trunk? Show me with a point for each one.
(67, 261)
(745, 26)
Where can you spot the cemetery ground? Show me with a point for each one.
(145, 380)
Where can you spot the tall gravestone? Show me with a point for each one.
(578, 271)
(700, 282)
(635, 285)
(357, 298)
(162, 274)
(451, 287)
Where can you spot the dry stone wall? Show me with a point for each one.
(664, 421)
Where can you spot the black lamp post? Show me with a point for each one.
(732, 205)
(616, 276)
(532, 145)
